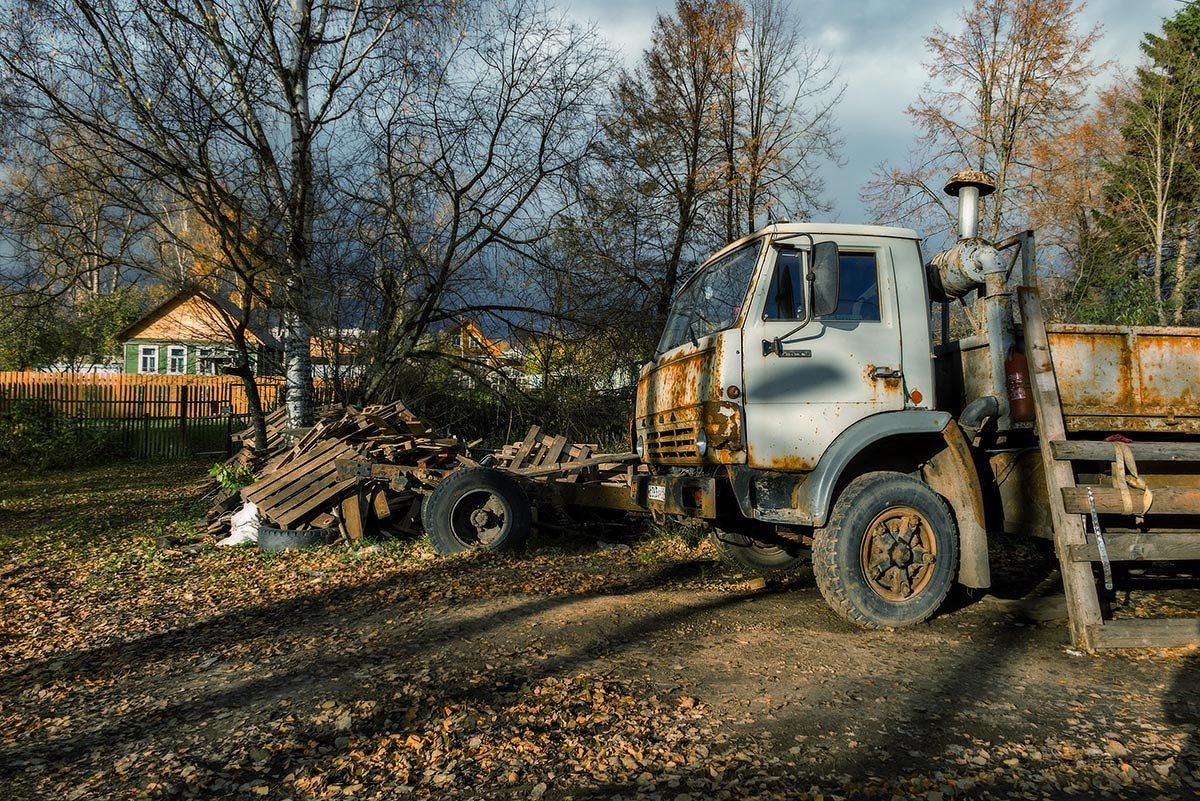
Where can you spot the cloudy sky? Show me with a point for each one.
(877, 45)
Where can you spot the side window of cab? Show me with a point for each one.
(858, 299)
(785, 296)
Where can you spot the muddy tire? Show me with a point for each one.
(476, 508)
(889, 554)
(742, 553)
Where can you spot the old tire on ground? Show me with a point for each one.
(889, 554)
(743, 553)
(476, 508)
(281, 539)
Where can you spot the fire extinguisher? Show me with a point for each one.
(1016, 373)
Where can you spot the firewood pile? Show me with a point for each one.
(299, 486)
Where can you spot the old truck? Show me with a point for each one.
(808, 401)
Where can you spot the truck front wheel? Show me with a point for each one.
(889, 554)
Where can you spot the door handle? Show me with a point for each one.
(887, 372)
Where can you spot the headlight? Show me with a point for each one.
(701, 442)
(639, 446)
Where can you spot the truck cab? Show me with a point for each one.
(795, 372)
(749, 373)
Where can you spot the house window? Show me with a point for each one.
(177, 359)
(148, 359)
(204, 361)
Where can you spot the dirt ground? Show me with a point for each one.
(571, 672)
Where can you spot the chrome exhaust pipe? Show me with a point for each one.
(969, 186)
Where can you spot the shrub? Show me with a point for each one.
(31, 435)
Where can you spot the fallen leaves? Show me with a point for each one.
(134, 671)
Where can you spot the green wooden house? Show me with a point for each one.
(189, 334)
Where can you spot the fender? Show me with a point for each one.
(951, 473)
(815, 495)
(805, 500)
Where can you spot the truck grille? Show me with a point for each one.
(672, 443)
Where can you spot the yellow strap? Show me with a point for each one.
(1125, 475)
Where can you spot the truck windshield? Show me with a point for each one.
(712, 300)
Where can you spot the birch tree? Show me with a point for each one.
(224, 107)
(1014, 72)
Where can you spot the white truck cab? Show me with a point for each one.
(794, 361)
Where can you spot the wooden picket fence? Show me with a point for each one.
(139, 415)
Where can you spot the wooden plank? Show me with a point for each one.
(579, 453)
(1155, 633)
(551, 469)
(526, 447)
(380, 506)
(268, 484)
(292, 494)
(553, 451)
(1083, 602)
(352, 516)
(1166, 500)
(1125, 546)
(1079, 450)
(325, 498)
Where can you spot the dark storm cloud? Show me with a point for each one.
(878, 46)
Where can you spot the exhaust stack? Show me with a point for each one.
(973, 264)
(969, 186)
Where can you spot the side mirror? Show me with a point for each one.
(825, 275)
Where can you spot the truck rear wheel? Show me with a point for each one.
(743, 553)
(477, 507)
(889, 554)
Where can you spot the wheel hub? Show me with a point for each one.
(898, 553)
(479, 517)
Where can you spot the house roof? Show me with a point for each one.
(220, 304)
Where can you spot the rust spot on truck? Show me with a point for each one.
(883, 388)
(682, 382)
(722, 423)
(788, 463)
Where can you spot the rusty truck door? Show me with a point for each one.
(836, 370)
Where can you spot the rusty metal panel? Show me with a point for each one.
(681, 496)
(1095, 371)
(1127, 378)
(685, 394)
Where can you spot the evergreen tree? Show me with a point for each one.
(1152, 192)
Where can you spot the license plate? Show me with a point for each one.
(656, 492)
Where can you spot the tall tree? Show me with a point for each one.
(663, 120)
(729, 115)
(1153, 188)
(777, 121)
(223, 106)
(73, 253)
(1013, 74)
(475, 161)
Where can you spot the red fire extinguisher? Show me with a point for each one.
(1016, 372)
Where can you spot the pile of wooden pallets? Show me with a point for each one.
(541, 456)
(300, 486)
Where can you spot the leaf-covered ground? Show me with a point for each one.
(130, 670)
